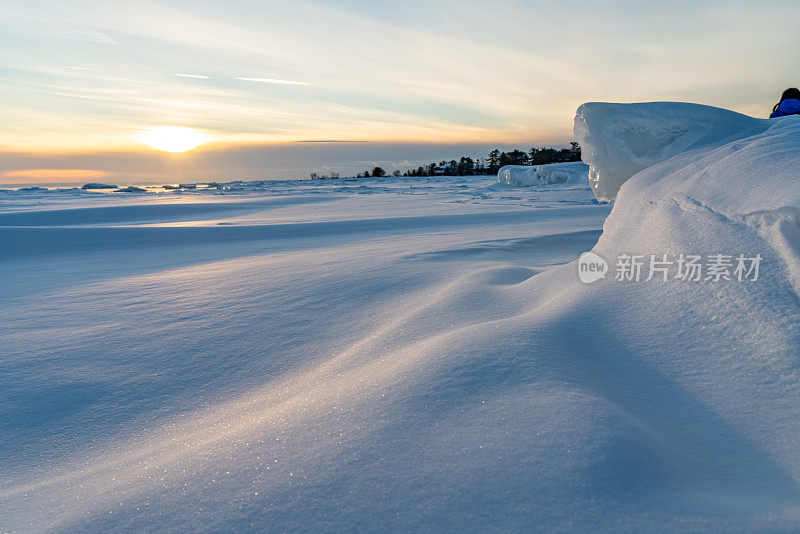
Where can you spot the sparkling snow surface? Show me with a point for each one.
(401, 354)
(264, 355)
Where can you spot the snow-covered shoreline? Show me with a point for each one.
(418, 357)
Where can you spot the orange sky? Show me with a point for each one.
(82, 80)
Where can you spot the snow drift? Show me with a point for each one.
(749, 177)
(619, 140)
(554, 173)
(443, 384)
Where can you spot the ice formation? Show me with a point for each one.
(619, 140)
(555, 173)
(98, 186)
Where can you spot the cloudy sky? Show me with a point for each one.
(272, 83)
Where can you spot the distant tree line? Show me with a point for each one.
(467, 166)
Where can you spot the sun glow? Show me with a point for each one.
(172, 138)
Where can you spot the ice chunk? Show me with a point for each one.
(130, 189)
(619, 140)
(98, 186)
(33, 188)
(574, 172)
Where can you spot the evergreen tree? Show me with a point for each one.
(467, 166)
(494, 160)
(575, 150)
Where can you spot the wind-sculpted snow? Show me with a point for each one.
(434, 371)
(619, 140)
(751, 181)
(554, 173)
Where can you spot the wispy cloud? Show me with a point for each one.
(29, 25)
(199, 76)
(272, 80)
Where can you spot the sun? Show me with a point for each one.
(172, 138)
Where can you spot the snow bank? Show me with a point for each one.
(556, 173)
(749, 178)
(720, 425)
(619, 140)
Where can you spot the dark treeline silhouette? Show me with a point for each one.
(467, 166)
